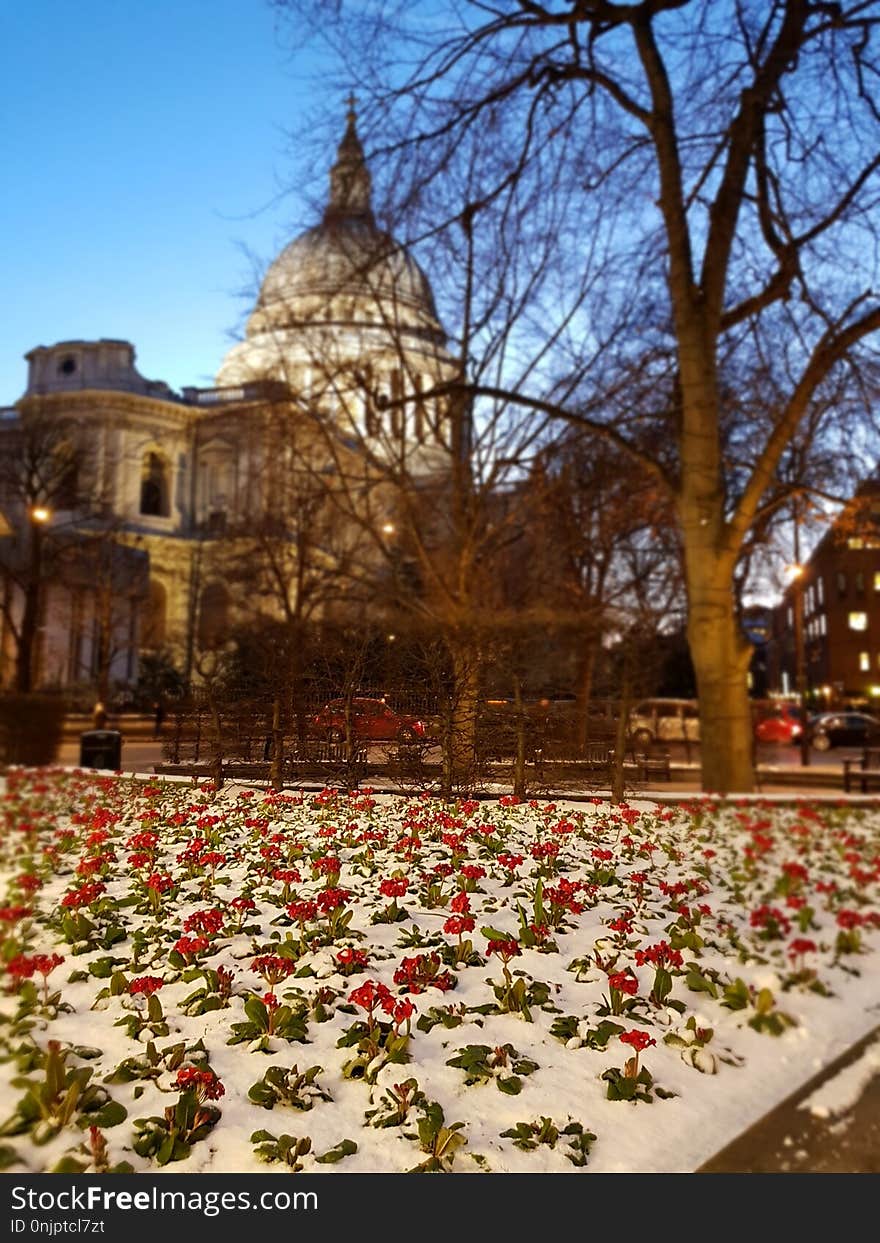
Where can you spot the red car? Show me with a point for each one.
(778, 723)
(371, 721)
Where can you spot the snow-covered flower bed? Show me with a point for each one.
(243, 981)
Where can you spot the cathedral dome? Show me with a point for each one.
(345, 277)
(347, 269)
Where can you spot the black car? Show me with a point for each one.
(844, 729)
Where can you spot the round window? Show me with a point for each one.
(67, 366)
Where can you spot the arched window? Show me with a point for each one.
(154, 618)
(154, 486)
(213, 615)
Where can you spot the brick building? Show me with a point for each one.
(840, 588)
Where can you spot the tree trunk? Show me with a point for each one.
(719, 651)
(459, 742)
(721, 655)
(519, 764)
(585, 690)
(618, 785)
(276, 773)
(24, 663)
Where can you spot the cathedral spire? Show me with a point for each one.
(350, 184)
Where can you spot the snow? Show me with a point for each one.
(839, 1093)
(836, 845)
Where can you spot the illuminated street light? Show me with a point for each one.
(40, 514)
(388, 528)
(795, 573)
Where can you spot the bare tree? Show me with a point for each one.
(39, 475)
(715, 164)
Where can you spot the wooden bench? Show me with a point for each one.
(863, 771)
(327, 753)
(653, 764)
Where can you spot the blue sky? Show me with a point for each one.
(144, 144)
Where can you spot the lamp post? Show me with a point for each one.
(796, 574)
(38, 518)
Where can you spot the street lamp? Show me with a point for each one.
(38, 517)
(796, 578)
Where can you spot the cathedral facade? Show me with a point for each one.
(333, 378)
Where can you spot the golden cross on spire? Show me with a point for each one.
(351, 101)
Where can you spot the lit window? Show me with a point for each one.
(820, 589)
(864, 662)
(855, 542)
(790, 618)
(877, 581)
(823, 630)
(857, 621)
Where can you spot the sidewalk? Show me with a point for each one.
(831, 1125)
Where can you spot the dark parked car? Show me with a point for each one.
(371, 721)
(844, 729)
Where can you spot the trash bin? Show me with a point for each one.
(100, 748)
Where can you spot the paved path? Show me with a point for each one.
(838, 1132)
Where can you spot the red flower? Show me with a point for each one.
(20, 967)
(661, 955)
(623, 982)
(302, 912)
(329, 900)
(159, 882)
(394, 887)
(849, 919)
(460, 904)
(204, 1083)
(458, 924)
(369, 995)
(12, 914)
(273, 968)
(504, 949)
(800, 946)
(289, 876)
(350, 957)
(204, 921)
(637, 1040)
(146, 984)
(191, 945)
(421, 971)
(212, 859)
(84, 896)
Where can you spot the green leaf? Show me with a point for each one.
(102, 968)
(509, 1085)
(257, 1013)
(345, 1148)
(68, 1165)
(110, 1115)
(662, 985)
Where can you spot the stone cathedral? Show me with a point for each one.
(344, 332)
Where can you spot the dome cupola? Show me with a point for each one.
(343, 288)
